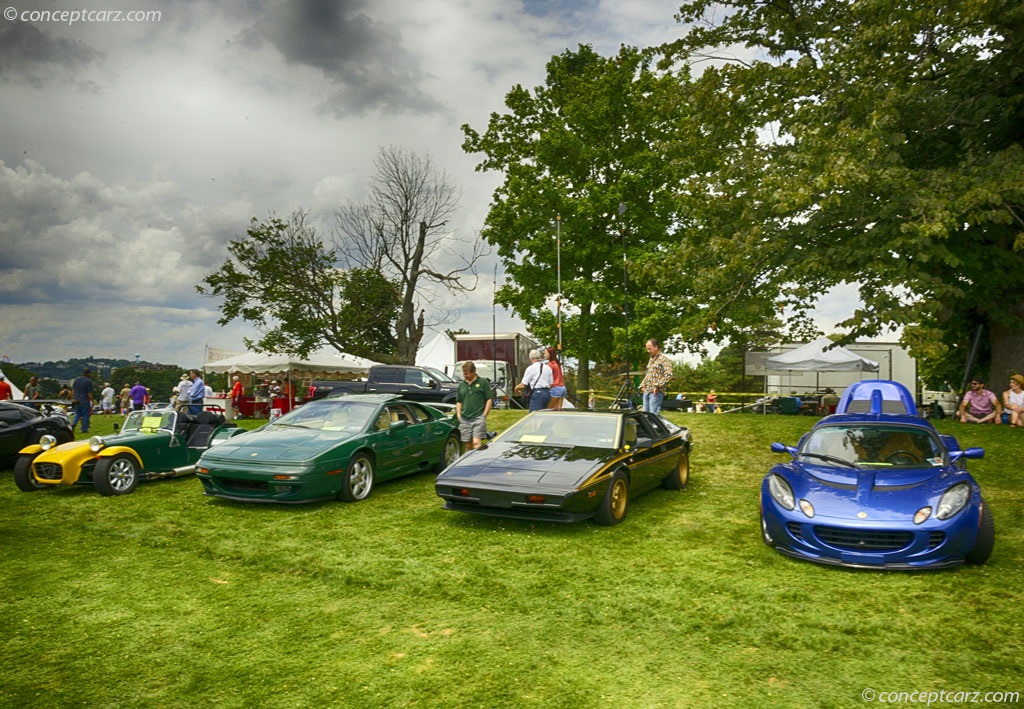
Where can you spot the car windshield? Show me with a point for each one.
(866, 445)
(148, 421)
(439, 375)
(591, 430)
(331, 415)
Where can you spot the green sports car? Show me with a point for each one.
(331, 448)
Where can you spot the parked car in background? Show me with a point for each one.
(22, 425)
(337, 447)
(411, 383)
(875, 486)
(570, 465)
(152, 444)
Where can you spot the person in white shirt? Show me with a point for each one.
(537, 380)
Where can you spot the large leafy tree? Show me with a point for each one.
(282, 278)
(876, 142)
(401, 232)
(593, 156)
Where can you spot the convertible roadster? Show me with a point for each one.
(151, 444)
(570, 465)
(875, 486)
(336, 447)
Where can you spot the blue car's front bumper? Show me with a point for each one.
(870, 544)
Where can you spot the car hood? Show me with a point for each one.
(528, 463)
(278, 443)
(881, 494)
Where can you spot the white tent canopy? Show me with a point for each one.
(321, 363)
(812, 357)
(439, 353)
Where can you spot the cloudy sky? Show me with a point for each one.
(132, 152)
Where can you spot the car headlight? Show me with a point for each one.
(96, 444)
(781, 491)
(47, 442)
(953, 500)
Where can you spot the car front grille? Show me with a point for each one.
(48, 471)
(238, 485)
(863, 539)
(935, 539)
(796, 529)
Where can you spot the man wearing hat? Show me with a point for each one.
(980, 405)
(81, 399)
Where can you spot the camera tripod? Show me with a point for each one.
(628, 394)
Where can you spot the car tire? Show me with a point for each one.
(23, 476)
(116, 475)
(615, 503)
(680, 476)
(985, 540)
(357, 482)
(452, 450)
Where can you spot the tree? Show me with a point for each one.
(589, 148)
(400, 232)
(878, 142)
(283, 279)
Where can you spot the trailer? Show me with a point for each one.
(503, 356)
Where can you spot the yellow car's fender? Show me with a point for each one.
(117, 450)
(70, 456)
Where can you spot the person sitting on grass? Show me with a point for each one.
(980, 405)
(1013, 402)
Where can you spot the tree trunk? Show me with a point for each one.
(1007, 354)
(410, 328)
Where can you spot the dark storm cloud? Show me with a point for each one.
(30, 55)
(363, 58)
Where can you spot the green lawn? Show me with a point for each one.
(167, 598)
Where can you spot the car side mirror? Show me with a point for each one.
(783, 448)
(970, 454)
(399, 425)
(432, 384)
(643, 442)
(117, 427)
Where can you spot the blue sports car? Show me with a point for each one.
(875, 486)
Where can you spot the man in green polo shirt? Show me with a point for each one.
(472, 404)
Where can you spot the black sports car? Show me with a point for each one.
(570, 465)
(22, 426)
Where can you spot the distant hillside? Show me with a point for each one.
(71, 368)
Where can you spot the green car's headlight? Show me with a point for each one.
(96, 444)
(47, 442)
(953, 500)
(781, 491)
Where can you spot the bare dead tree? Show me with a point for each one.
(401, 231)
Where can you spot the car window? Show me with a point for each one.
(872, 446)
(419, 414)
(579, 429)
(330, 415)
(10, 416)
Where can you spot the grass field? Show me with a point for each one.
(167, 598)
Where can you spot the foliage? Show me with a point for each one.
(401, 233)
(283, 279)
(203, 602)
(873, 142)
(584, 165)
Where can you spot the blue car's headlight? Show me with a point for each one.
(781, 491)
(953, 500)
(96, 444)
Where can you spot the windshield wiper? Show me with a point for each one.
(830, 459)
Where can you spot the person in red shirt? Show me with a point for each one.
(236, 395)
(557, 380)
(6, 393)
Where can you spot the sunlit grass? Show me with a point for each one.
(168, 598)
